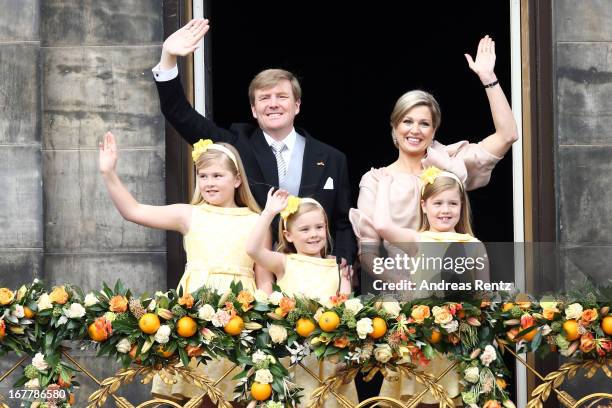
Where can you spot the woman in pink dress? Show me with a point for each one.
(414, 121)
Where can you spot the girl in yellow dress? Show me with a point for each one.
(302, 267)
(444, 218)
(215, 227)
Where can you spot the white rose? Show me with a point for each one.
(44, 302)
(278, 334)
(391, 308)
(488, 355)
(32, 384)
(364, 327)
(18, 311)
(90, 299)
(441, 315)
(39, 362)
(573, 311)
(354, 305)
(471, 374)
(261, 296)
(206, 312)
(263, 376)
(275, 298)
(383, 353)
(546, 329)
(123, 346)
(62, 320)
(258, 357)
(451, 327)
(76, 311)
(152, 305)
(163, 334)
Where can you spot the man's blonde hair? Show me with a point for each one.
(271, 77)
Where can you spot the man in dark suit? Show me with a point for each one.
(274, 153)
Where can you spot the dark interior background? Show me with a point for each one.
(354, 62)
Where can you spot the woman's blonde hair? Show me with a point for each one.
(287, 247)
(242, 194)
(440, 184)
(410, 100)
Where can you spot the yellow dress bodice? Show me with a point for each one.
(309, 276)
(216, 248)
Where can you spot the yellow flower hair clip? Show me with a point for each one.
(429, 175)
(200, 147)
(203, 145)
(293, 204)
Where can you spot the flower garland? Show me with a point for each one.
(366, 334)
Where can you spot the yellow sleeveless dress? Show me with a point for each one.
(315, 278)
(216, 256)
(405, 388)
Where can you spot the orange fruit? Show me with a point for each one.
(304, 326)
(380, 328)
(507, 306)
(570, 327)
(186, 326)
(28, 313)
(329, 321)
(435, 337)
(96, 334)
(530, 334)
(235, 326)
(606, 325)
(149, 323)
(261, 392)
(164, 353)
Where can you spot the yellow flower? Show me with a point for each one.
(293, 203)
(428, 176)
(59, 295)
(200, 147)
(6, 296)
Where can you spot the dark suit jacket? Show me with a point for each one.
(320, 162)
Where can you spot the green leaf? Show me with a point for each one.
(184, 357)
(537, 340)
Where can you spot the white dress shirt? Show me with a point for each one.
(289, 141)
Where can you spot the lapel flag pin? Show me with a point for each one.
(320, 164)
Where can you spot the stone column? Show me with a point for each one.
(583, 105)
(97, 57)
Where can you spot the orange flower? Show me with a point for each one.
(501, 383)
(549, 314)
(492, 404)
(104, 325)
(341, 342)
(587, 343)
(287, 304)
(186, 300)
(588, 316)
(245, 298)
(6, 296)
(527, 321)
(337, 300)
(59, 295)
(118, 304)
(420, 313)
(194, 351)
(2, 329)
